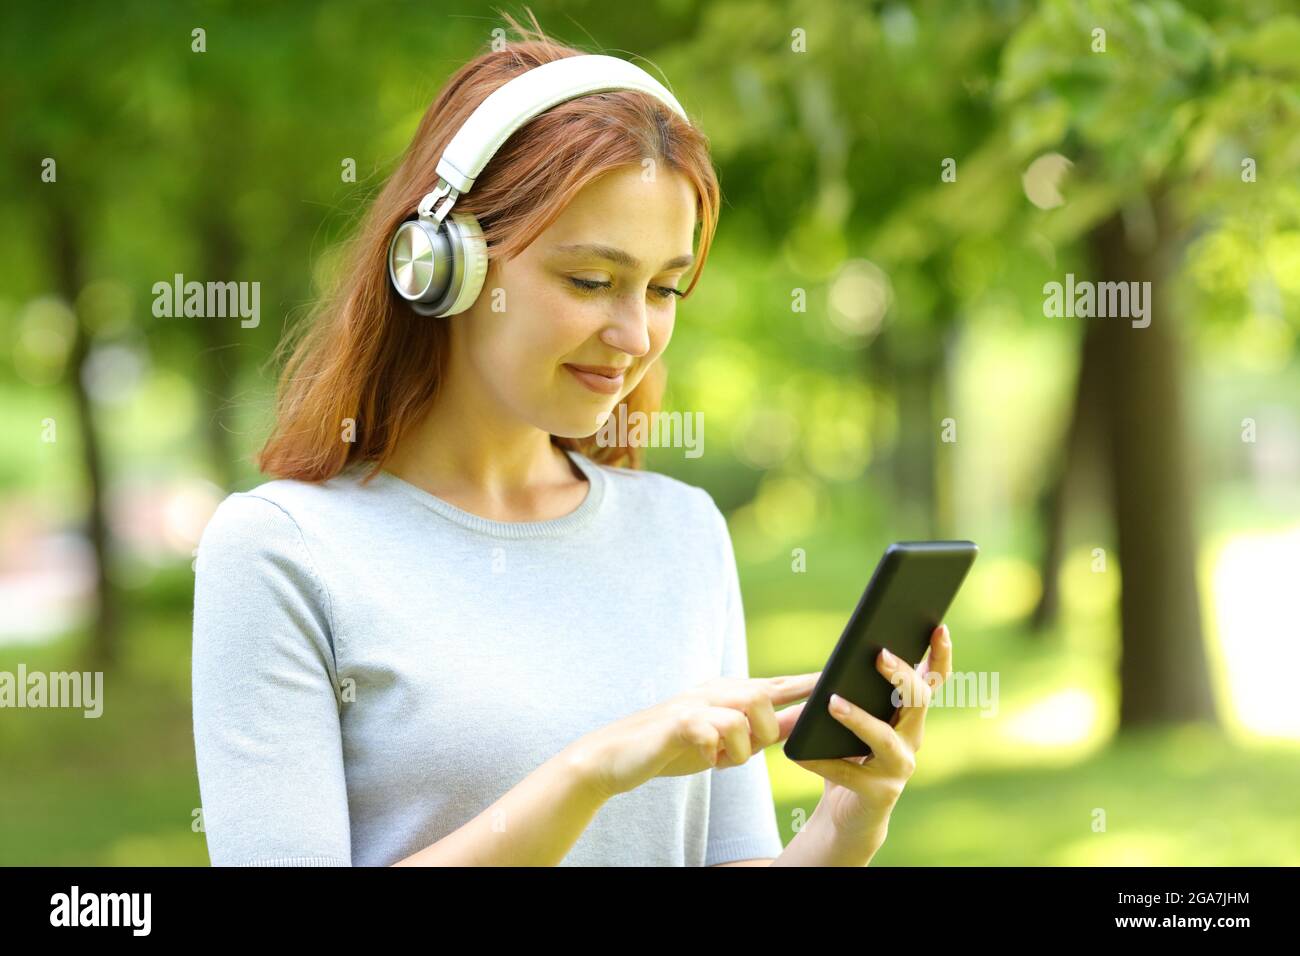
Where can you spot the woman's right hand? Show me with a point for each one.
(718, 724)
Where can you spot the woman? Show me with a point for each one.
(456, 628)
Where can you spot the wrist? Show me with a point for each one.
(846, 845)
(580, 764)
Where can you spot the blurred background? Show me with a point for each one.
(868, 346)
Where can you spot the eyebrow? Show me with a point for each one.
(618, 256)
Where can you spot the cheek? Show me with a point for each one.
(557, 323)
(525, 340)
(661, 330)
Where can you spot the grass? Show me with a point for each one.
(1183, 797)
(118, 789)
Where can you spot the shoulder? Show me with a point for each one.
(247, 519)
(253, 546)
(256, 579)
(270, 522)
(278, 510)
(247, 534)
(657, 489)
(667, 501)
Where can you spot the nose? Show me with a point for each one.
(628, 328)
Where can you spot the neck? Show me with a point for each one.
(467, 449)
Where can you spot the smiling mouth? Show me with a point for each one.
(603, 379)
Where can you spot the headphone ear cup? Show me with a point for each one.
(470, 251)
(420, 263)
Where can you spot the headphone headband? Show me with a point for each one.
(531, 93)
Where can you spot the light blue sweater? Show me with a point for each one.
(373, 667)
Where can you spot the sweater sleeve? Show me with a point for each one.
(742, 813)
(266, 714)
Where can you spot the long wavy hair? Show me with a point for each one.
(364, 355)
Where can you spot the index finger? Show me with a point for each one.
(791, 687)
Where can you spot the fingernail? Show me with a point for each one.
(945, 636)
(887, 657)
(839, 705)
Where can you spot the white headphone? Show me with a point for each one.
(437, 262)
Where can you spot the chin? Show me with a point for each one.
(573, 423)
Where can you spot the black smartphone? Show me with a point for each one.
(906, 599)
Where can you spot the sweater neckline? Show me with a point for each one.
(551, 527)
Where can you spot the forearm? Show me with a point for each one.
(535, 823)
(817, 844)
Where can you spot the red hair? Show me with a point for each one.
(366, 356)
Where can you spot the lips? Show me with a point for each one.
(609, 371)
(604, 379)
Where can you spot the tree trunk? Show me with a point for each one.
(1072, 458)
(913, 362)
(1164, 676)
(918, 438)
(65, 247)
(218, 355)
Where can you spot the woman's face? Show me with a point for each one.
(592, 290)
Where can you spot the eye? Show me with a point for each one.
(589, 284)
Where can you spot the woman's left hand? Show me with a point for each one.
(860, 792)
